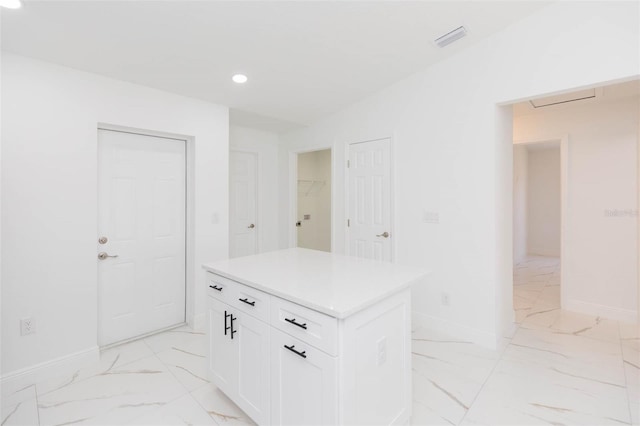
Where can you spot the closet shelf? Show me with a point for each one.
(308, 187)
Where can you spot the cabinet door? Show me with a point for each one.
(303, 388)
(222, 350)
(252, 338)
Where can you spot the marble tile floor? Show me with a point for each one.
(558, 368)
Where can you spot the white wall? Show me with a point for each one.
(453, 151)
(315, 233)
(265, 144)
(50, 117)
(520, 162)
(600, 275)
(1, 173)
(543, 202)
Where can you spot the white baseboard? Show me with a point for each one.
(49, 369)
(618, 314)
(543, 252)
(454, 330)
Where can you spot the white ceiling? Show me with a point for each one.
(304, 59)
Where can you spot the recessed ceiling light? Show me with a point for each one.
(239, 78)
(11, 4)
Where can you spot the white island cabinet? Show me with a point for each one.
(302, 337)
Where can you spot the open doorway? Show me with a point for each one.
(538, 207)
(595, 280)
(313, 210)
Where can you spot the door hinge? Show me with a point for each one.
(348, 223)
(348, 164)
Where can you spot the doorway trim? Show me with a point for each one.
(190, 269)
(293, 191)
(259, 218)
(564, 207)
(392, 195)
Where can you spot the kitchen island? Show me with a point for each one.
(302, 337)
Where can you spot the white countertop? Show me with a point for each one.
(333, 284)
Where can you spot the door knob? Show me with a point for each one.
(102, 255)
(251, 226)
(385, 234)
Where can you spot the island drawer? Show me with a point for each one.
(220, 288)
(240, 296)
(253, 302)
(312, 327)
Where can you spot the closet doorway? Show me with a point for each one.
(313, 207)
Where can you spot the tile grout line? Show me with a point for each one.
(35, 389)
(493, 369)
(624, 371)
(504, 350)
(155, 355)
(187, 391)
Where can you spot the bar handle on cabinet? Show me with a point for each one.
(246, 300)
(226, 327)
(292, 349)
(232, 330)
(293, 321)
(215, 287)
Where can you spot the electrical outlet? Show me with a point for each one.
(382, 350)
(445, 299)
(27, 326)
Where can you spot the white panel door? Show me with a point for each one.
(253, 367)
(370, 200)
(242, 204)
(141, 212)
(304, 386)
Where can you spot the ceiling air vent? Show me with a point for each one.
(450, 37)
(563, 99)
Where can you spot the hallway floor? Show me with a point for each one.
(558, 368)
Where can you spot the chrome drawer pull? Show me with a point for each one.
(245, 300)
(293, 321)
(291, 348)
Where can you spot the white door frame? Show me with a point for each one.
(259, 183)
(392, 196)
(293, 191)
(564, 206)
(190, 267)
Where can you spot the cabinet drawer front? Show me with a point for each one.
(253, 302)
(314, 328)
(220, 288)
(304, 384)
